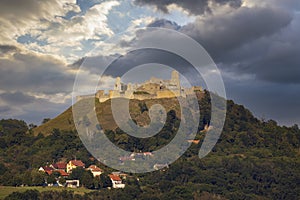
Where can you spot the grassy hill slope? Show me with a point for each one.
(64, 121)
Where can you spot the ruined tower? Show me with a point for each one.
(175, 80)
(118, 85)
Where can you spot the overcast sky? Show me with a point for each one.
(255, 44)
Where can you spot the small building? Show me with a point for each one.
(72, 164)
(96, 171)
(116, 181)
(72, 183)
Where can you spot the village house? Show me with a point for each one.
(116, 181)
(72, 164)
(59, 166)
(96, 171)
(120, 174)
(72, 183)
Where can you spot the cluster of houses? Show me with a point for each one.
(65, 169)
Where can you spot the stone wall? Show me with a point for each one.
(167, 94)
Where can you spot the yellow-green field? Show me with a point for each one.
(5, 190)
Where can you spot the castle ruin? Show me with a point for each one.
(152, 89)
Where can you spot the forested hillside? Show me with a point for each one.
(253, 159)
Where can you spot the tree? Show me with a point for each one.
(2, 143)
(51, 179)
(31, 126)
(62, 180)
(45, 120)
(56, 174)
(105, 181)
(96, 182)
(87, 180)
(27, 180)
(3, 169)
(77, 173)
(38, 178)
(31, 194)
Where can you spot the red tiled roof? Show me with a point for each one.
(60, 165)
(95, 168)
(49, 172)
(47, 168)
(62, 173)
(115, 177)
(77, 163)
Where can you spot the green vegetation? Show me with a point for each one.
(6, 190)
(253, 159)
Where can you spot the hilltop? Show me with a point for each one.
(141, 96)
(64, 121)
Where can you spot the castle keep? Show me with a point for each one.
(152, 89)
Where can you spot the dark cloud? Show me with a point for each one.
(279, 65)
(7, 48)
(222, 34)
(195, 7)
(40, 109)
(32, 110)
(164, 24)
(232, 3)
(267, 100)
(34, 73)
(272, 58)
(118, 65)
(145, 56)
(94, 63)
(16, 98)
(281, 61)
(77, 64)
(242, 42)
(4, 109)
(256, 41)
